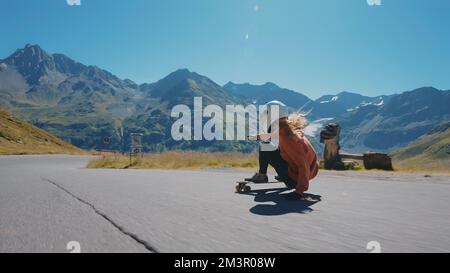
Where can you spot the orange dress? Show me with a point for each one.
(301, 158)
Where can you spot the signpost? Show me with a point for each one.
(106, 140)
(135, 145)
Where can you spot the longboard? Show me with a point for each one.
(242, 186)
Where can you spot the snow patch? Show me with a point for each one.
(314, 127)
(380, 103)
(363, 104)
(371, 103)
(335, 98)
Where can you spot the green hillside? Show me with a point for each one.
(428, 153)
(19, 137)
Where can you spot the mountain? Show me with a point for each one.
(92, 108)
(400, 120)
(181, 86)
(79, 103)
(261, 94)
(34, 76)
(382, 123)
(86, 105)
(335, 105)
(429, 152)
(19, 137)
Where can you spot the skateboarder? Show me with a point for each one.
(295, 160)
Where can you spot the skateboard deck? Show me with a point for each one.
(242, 186)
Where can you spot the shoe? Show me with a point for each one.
(280, 179)
(294, 196)
(258, 178)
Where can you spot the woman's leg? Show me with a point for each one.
(265, 158)
(281, 167)
(274, 159)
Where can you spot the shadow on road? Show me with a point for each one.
(282, 204)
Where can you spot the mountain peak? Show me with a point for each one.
(182, 85)
(182, 72)
(32, 54)
(34, 50)
(36, 65)
(268, 85)
(347, 93)
(32, 62)
(269, 91)
(182, 75)
(35, 46)
(424, 89)
(271, 85)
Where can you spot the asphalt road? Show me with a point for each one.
(48, 201)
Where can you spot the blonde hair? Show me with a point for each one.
(294, 124)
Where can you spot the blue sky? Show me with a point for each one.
(312, 46)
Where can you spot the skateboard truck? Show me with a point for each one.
(242, 187)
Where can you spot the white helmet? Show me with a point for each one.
(266, 115)
(282, 108)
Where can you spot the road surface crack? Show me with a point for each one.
(106, 217)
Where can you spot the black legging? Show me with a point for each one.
(278, 163)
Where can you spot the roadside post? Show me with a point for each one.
(135, 145)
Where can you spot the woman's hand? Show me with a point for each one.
(263, 137)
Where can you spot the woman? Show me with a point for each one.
(295, 160)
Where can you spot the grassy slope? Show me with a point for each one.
(178, 160)
(19, 137)
(428, 153)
